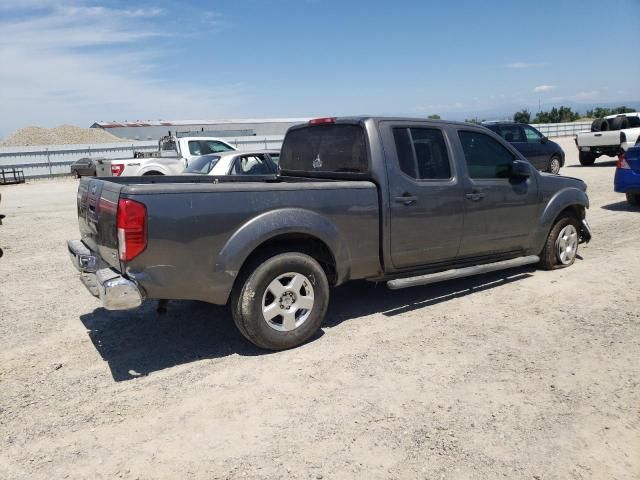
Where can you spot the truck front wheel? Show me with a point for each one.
(587, 158)
(561, 247)
(281, 302)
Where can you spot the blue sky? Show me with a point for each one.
(80, 61)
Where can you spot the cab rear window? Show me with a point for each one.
(325, 149)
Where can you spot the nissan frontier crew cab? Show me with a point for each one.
(397, 200)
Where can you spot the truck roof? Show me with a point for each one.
(363, 118)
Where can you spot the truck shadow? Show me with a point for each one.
(137, 343)
(622, 206)
(606, 163)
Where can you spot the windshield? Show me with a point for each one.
(325, 149)
(203, 164)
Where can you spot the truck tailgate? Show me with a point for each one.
(598, 139)
(97, 209)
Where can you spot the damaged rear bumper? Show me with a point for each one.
(114, 291)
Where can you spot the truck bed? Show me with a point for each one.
(191, 221)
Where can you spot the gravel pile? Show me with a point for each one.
(62, 135)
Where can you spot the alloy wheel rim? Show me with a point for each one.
(555, 165)
(567, 244)
(288, 301)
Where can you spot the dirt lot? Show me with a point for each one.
(522, 375)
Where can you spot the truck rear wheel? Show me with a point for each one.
(561, 247)
(282, 302)
(633, 198)
(587, 158)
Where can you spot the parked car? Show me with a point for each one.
(84, 167)
(545, 155)
(257, 162)
(397, 200)
(173, 156)
(609, 136)
(627, 177)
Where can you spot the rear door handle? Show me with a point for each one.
(406, 199)
(475, 196)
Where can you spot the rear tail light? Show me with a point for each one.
(132, 229)
(322, 121)
(622, 162)
(117, 169)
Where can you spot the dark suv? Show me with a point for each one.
(541, 152)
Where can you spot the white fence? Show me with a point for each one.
(561, 129)
(51, 160)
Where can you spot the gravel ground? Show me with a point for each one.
(62, 135)
(523, 374)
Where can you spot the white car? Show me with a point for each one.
(173, 156)
(250, 162)
(609, 136)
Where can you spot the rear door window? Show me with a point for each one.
(336, 148)
(251, 165)
(512, 133)
(422, 153)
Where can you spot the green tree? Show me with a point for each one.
(523, 116)
(623, 109)
(557, 115)
(434, 117)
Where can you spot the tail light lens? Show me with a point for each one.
(132, 229)
(117, 169)
(622, 162)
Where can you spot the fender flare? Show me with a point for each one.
(560, 201)
(274, 223)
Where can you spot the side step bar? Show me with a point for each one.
(461, 272)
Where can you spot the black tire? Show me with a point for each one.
(633, 198)
(619, 123)
(599, 125)
(252, 292)
(152, 172)
(549, 257)
(587, 158)
(555, 163)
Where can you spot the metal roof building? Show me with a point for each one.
(154, 129)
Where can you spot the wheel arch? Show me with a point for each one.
(282, 230)
(568, 200)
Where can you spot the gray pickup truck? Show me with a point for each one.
(404, 201)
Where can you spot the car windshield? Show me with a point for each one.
(203, 164)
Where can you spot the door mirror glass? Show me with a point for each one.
(520, 169)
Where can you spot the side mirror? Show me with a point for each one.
(520, 169)
(544, 140)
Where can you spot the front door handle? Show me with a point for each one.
(475, 196)
(406, 199)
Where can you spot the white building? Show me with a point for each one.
(154, 129)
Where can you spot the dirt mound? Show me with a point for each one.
(62, 135)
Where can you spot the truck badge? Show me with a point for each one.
(317, 163)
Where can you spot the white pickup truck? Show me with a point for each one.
(172, 157)
(608, 136)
